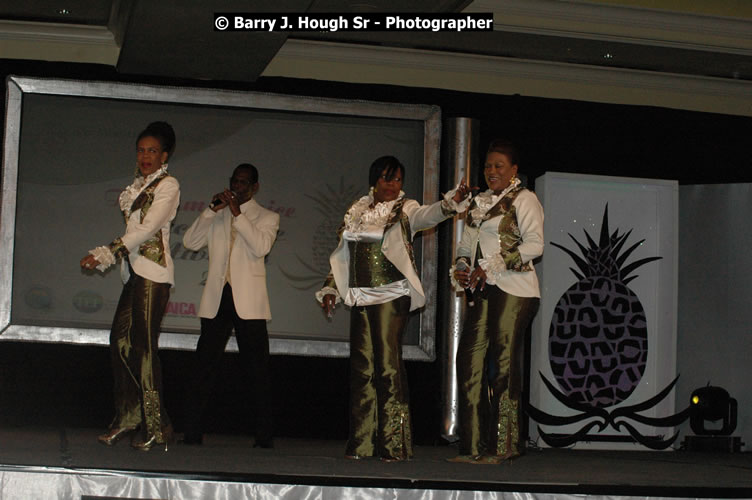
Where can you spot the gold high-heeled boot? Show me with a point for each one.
(114, 435)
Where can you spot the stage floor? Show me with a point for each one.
(308, 462)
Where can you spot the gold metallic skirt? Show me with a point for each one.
(379, 411)
(136, 370)
(490, 373)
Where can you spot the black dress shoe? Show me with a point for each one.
(263, 443)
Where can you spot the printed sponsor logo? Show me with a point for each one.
(87, 301)
(38, 297)
(181, 309)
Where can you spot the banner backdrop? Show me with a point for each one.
(77, 154)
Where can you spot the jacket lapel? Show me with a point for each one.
(145, 194)
(250, 209)
(227, 214)
(395, 214)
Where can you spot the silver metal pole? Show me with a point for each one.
(461, 139)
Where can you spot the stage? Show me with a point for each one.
(67, 462)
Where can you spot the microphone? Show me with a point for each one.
(217, 201)
(461, 265)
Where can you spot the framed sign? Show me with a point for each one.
(70, 149)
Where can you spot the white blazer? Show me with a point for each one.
(256, 231)
(158, 219)
(394, 248)
(530, 221)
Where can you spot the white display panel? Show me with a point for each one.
(715, 286)
(648, 208)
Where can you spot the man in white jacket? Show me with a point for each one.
(239, 233)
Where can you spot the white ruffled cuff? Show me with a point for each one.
(452, 269)
(327, 290)
(452, 279)
(453, 205)
(104, 256)
(493, 266)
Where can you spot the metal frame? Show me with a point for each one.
(18, 86)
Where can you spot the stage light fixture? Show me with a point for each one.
(712, 404)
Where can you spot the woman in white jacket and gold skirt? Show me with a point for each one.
(503, 234)
(373, 272)
(149, 205)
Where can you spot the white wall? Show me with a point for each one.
(715, 296)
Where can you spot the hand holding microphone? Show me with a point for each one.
(223, 199)
(463, 273)
(328, 304)
(216, 202)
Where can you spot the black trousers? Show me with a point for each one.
(253, 343)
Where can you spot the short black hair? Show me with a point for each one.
(161, 131)
(387, 165)
(505, 147)
(252, 171)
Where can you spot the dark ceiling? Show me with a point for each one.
(176, 38)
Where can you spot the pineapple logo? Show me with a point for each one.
(331, 203)
(598, 346)
(598, 340)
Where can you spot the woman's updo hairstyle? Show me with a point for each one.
(505, 147)
(163, 132)
(388, 163)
